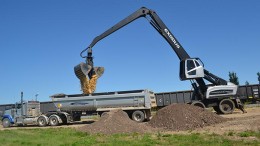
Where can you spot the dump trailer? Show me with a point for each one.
(136, 103)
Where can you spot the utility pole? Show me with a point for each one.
(36, 96)
(22, 104)
(258, 74)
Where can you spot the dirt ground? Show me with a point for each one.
(237, 122)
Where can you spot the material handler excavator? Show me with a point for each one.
(220, 94)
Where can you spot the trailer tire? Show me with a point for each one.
(53, 120)
(198, 104)
(138, 116)
(6, 123)
(226, 106)
(42, 121)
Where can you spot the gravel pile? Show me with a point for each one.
(179, 117)
(116, 121)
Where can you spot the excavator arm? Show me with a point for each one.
(198, 83)
(154, 20)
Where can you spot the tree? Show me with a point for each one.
(246, 83)
(233, 78)
(258, 74)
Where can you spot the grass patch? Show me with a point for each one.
(69, 136)
(250, 133)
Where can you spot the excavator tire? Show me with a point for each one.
(198, 104)
(226, 106)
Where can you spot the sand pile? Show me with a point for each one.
(177, 117)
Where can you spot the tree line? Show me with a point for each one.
(233, 78)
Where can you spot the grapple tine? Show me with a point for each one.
(99, 71)
(82, 70)
(88, 76)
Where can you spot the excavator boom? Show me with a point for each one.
(199, 84)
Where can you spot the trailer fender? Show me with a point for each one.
(65, 117)
(9, 117)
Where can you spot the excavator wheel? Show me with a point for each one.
(226, 106)
(198, 104)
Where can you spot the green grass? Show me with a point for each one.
(250, 134)
(68, 136)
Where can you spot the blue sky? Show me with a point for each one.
(40, 42)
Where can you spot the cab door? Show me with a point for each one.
(191, 68)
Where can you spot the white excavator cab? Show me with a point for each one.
(191, 68)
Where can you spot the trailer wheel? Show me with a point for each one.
(198, 104)
(53, 120)
(42, 121)
(6, 123)
(138, 116)
(226, 106)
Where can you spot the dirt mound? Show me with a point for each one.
(184, 117)
(116, 121)
(175, 117)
